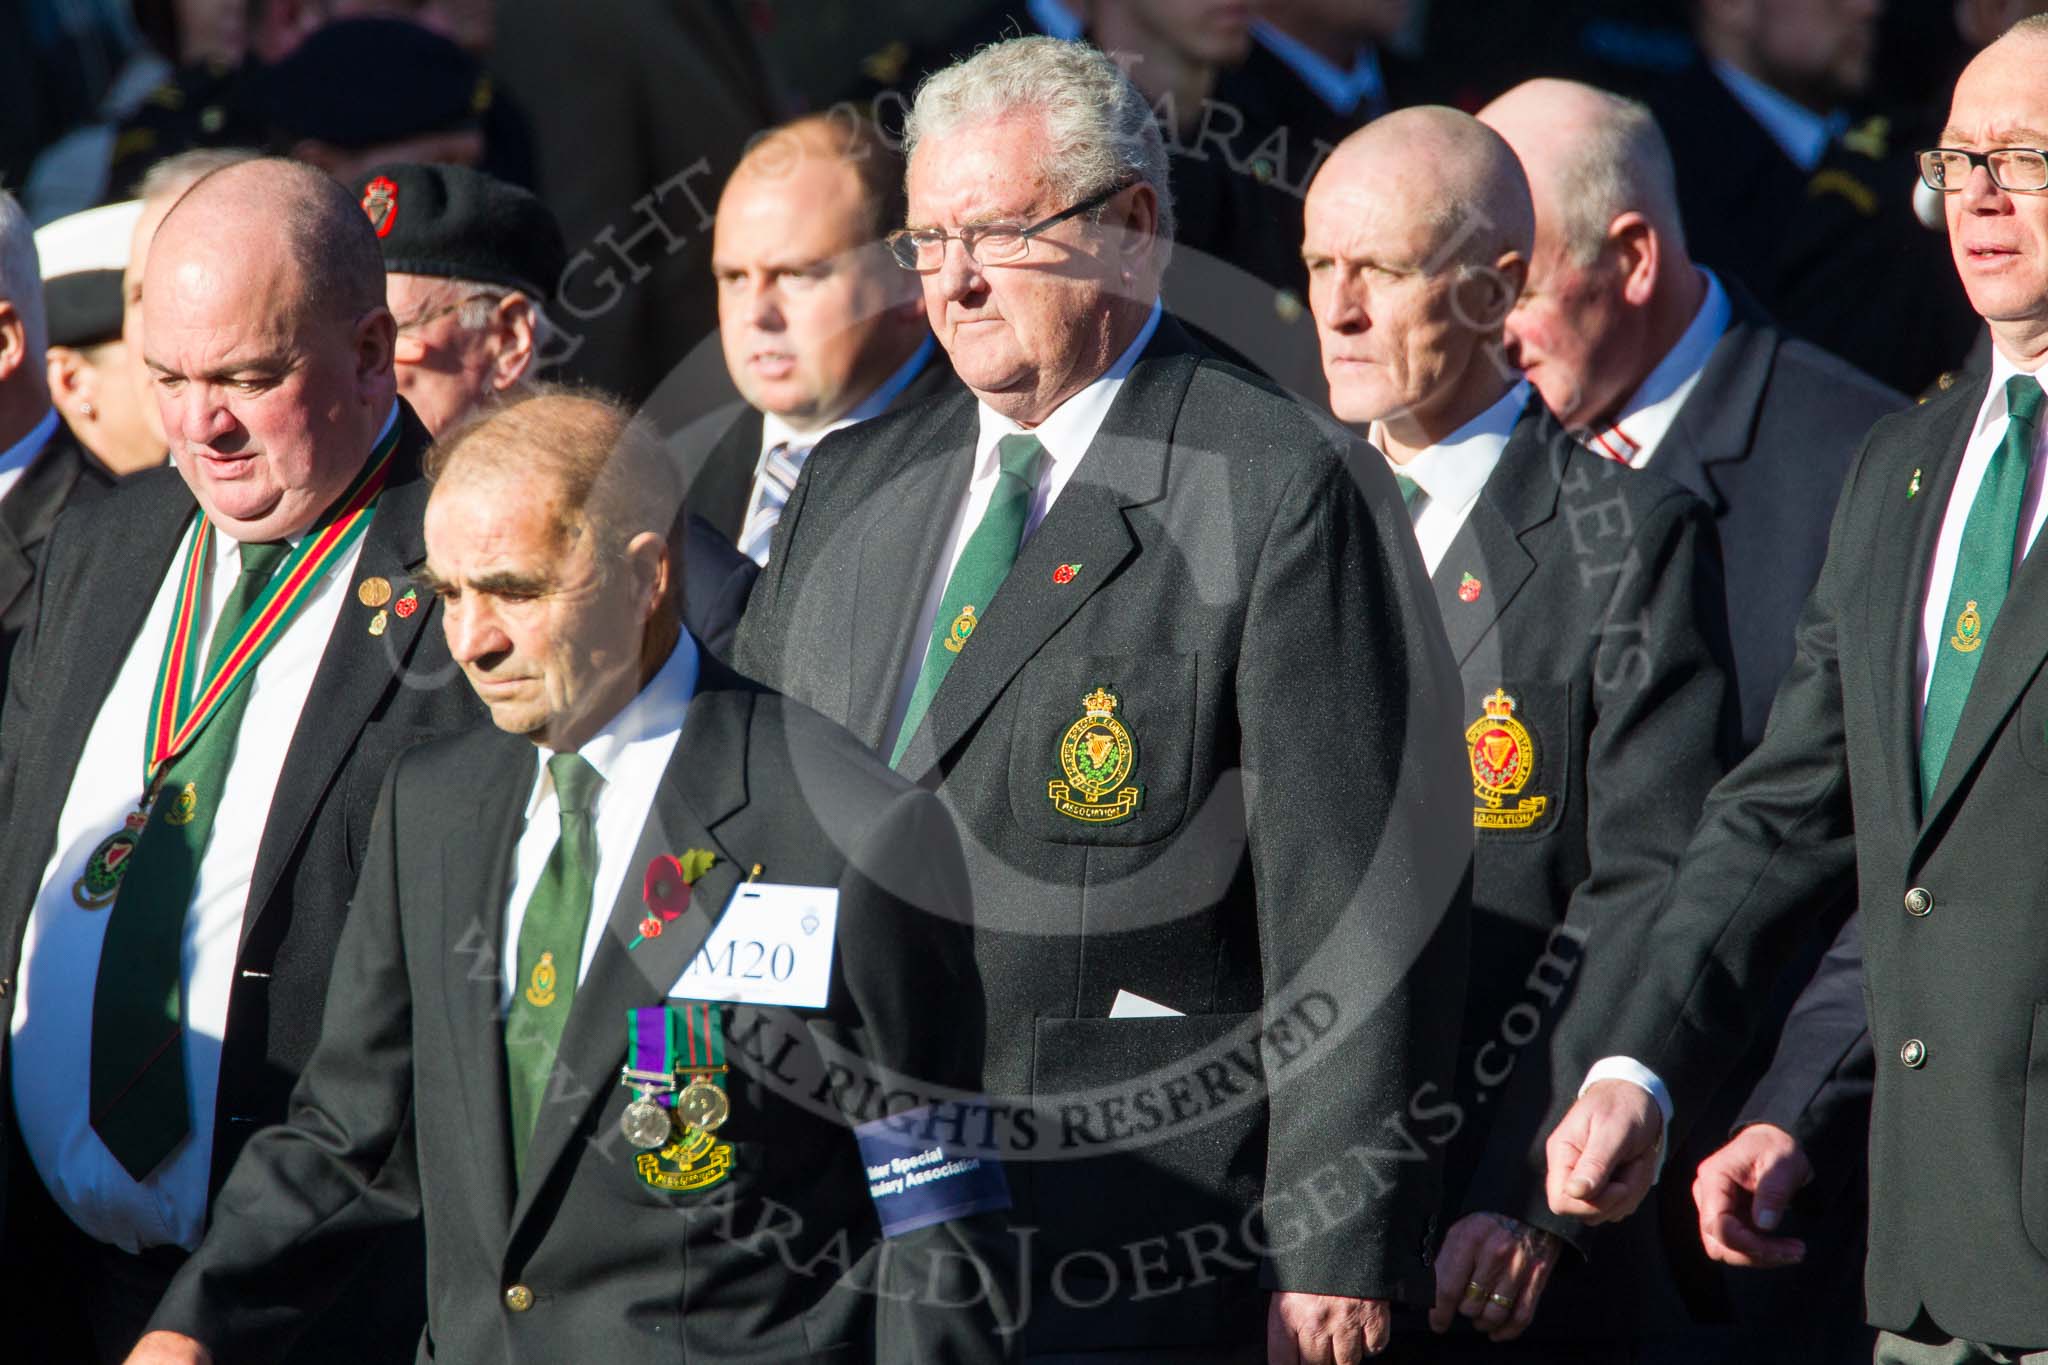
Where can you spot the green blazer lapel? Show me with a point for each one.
(357, 669)
(705, 782)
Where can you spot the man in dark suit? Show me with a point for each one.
(43, 469)
(1582, 603)
(468, 266)
(1659, 364)
(513, 943)
(1160, 639)
(165, 959)
(819, 328)
(1904, 745)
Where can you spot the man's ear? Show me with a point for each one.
(13, 341)
(1136, 225)
(515, 334)
(376, 341)
(1637, 254)
(73, 383)
(647, 559)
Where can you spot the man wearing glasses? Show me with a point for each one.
(1909, 745)
(1163, 643)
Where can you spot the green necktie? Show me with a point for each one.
(1411, 493)
(551, 947)
(1983, 573)
(139, 1105)
(984, 563)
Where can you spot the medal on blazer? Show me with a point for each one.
(1969, 630)
(1097, 754)
(681, 1124)
(188, 694)
(1503, 757)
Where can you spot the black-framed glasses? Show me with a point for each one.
(924, 249)
(2020, 170)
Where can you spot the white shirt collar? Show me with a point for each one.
(656, 713)
(775, 431)
(1646, 418)
(1994, 407)
(1454, 469)
(1802, 134)
(1055, 19)
(1344, 91)
(1070, 430)
(19, 456)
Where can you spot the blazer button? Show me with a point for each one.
(6, 985)
(519, 1298)
(1919, 901)
(1913, 1053)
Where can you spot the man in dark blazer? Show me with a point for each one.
(1582, 602)
(469, 265)
(1668, 367)
(1196, 726)
(819, 328)
(551, 1234)
(1905, 746)
(43, 469)
(271, 352)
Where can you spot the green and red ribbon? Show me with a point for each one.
(183, 702)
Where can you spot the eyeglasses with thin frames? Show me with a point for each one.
(924, 249)
(2016, 170)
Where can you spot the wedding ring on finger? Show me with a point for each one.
(1474, 1291)
(1501, 1300)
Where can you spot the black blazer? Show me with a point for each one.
(1245, 583)
(402, 1110)
(1959, 1213)
(716, 581)
(721, 479)
(61, 474)
(371, 697)
(1590, 594)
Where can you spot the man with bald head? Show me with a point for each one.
(1905, 748)
(1580, 601)
(177, 887)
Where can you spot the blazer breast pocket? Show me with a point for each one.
(1518, 745)
(1102, 747)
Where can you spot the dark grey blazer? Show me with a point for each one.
(1245, 582)
(402, 1110)
(1959, 1208)
(61, 474)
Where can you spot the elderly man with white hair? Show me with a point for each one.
(43, 468)
(1162, 642)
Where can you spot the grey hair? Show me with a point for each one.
(1622, 166)
(172, 176)
(2028, 26)
(480, 302)
(21, 278)
(1102, 132)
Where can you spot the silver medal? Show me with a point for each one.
(645, 1124)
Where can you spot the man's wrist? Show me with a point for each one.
(1635, 1073)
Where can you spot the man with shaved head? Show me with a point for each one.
(224, 659)
(1581, 602)
(1905, 748)
(1666, 365)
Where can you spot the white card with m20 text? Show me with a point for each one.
(772, 946)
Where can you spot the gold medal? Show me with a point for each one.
(702, 1105)
(374, 592)
(97, 886)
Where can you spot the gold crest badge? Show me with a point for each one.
(1969, 630)
(184, 806)
(694, 1161)
(1503, 755)
(1097, 754)
(962, 627)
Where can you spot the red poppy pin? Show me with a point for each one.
(1468, 589)
(666, 889)
(1064, 574)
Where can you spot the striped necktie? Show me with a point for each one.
(778, 481)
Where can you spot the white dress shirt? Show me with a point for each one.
(1452, 471)
(52, 1026)
(1986, 435)
(1802, 134)
(1645, 420)
(1363, 86)
(777, 432)
(1066, 435)
(15, 460)
(630, 753)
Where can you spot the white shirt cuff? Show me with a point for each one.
(1635, 1073)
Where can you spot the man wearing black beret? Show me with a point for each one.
(470, 263)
